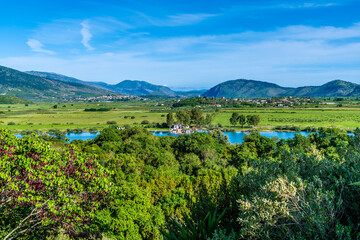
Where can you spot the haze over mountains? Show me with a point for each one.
(35, 85)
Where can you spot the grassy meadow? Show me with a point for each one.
(43, 116)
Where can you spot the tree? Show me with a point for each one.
(187, 118)
(234, 118)
(242, 120)
(196, 115)
(130, 213)
(207, 119)
(256, 120)
(183, 117)
(170, 119)
(253, 120)
(43, 191)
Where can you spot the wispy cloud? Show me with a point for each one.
(37, 46)
(270, 5)
(290, 56)
(186, 19)
(177, 19)
(308, 5)
(86, 35)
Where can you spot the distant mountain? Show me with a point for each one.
(131, 87)
(243, 88)
(135, 87)
(336, 88)
(193, 93)
(20, 84)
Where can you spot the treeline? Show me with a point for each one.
(242, 120)
(97, 109)
(199, 101)
(129, 184)
(187, 117)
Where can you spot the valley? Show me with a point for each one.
(43, 116)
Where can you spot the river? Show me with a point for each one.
(234, 137)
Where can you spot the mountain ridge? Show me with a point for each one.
(239, 88)
(243, 88)
(30, 87)
(130, 87)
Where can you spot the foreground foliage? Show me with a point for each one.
(139, 186)
(43, 191)
(199, 230)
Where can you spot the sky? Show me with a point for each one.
(184, 44)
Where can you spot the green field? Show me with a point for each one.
(43, 116)
(303, 117)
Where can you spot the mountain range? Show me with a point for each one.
(20, 84)
(243, 88)
(36, 85)
(130, 87)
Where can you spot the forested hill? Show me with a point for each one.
(243, 88)
(20, 84)
(246, 89)
(135, 87)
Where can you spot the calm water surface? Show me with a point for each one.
(237, 137)
(75, 136)
(234, 137)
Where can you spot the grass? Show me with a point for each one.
(43, 116)
(327, 117)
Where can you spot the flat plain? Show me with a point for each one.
(44, 116)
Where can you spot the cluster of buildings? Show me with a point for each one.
(108, 98)
(275, 102)
(178, 129)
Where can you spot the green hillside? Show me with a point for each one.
(131, 87)
(245, 89)
(20, 84)
(242, 88)
(8, 99)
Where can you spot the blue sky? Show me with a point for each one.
(184, 44)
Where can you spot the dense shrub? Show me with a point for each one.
(297, 188)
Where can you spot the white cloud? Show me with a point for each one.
(37, 46)
(186, 19)
(177, 19)
(86, 35)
